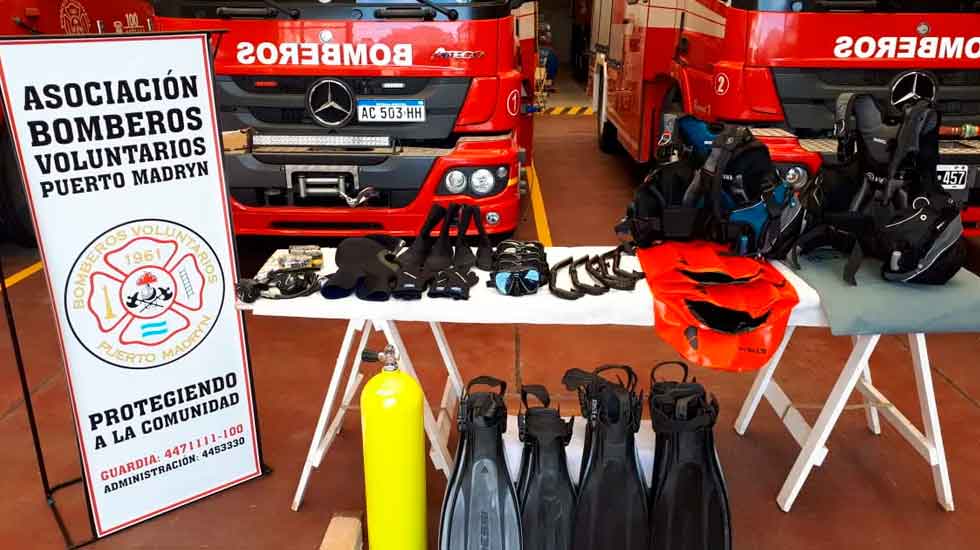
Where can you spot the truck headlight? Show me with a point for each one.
(455, 182)
(482, 181)
(474, 181)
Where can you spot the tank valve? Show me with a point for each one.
(388, 358)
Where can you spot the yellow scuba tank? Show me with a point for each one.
(394, 457)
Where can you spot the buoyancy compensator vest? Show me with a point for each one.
(727, 193)
(896, 211)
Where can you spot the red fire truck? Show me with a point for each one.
(360, 114)
(779, 65)
(40, 17)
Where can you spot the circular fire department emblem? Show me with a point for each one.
(74, 17)
(144, 294)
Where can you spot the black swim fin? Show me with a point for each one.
(545, 489)
(611, 510)
(479, 511)
(689, 500)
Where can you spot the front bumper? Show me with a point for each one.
(407, 180)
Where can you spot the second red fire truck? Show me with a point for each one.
(779, 65)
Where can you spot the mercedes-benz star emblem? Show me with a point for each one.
(923, 28)
(913, 86)
(331, 102)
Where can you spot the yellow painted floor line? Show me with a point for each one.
(537, 205)
(575, 110)
(23, 274)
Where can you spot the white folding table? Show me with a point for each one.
(634, 308)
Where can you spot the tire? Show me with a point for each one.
(606, 132)
(14, 209)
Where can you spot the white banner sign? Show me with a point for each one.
(118, 144)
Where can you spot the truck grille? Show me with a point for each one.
(809, 95)
(257, 197)
(278, 104)
(361, 86)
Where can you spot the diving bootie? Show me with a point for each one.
(484, 250)
(412, 279)
(611, 509)
(545, 489)
(441, 255)
(689, 500)
(464, 259)
(479, 511)
(415, 255)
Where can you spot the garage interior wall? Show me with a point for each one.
(559, 14)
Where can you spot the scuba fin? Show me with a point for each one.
(689, 500)
(545, 488)
(611, 510)
(479, 511)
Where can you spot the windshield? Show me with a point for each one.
(871, 6)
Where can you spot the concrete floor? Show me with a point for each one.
(872, 492)
(568, 91)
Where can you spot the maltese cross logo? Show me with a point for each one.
(145, 295)
(147, 304)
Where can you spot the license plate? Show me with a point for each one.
(953, 177)
(391, 110)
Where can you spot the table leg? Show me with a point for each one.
(453, 389)
(447, 357)
(353, 381)
(853, 370)
(870, 412)
(760, 384)
(438, 452)
(930, 419)
(339, 367)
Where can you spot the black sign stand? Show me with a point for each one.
(50, 490)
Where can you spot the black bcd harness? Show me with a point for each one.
(896, 210)
(734, 198)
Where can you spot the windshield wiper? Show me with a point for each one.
(273, 9)
(847, 5)
(291, 12)
(450, 14)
